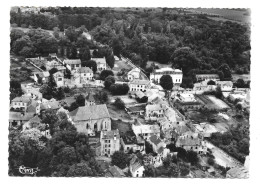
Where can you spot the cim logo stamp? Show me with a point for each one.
(28, 171)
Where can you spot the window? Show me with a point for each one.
(84, 74)
(95, 126)
(60, 79)
(87, 126)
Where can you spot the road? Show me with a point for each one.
(223, 158)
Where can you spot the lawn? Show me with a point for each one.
(118, 113)
(121, 126)
(120, 64)
(242, 16)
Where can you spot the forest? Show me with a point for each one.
(193, 43)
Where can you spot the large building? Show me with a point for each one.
(110, 142)
(91, 119)
(101, 63)
(176, 75)
(139, 85)
(73, 63)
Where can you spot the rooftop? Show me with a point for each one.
(110, 134)
(167, 69)
(18, 116)
(90, 112)
(72, 61)
(85, 70)
(99, 60)
(114, 171)
(155, 139)
(237, 172)
(140, 82)
(23, 99)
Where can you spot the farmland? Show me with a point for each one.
(212, 102)
(238, 15)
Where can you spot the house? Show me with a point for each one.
(59, 79)
(139, 85)
(157, 144)
(136, 168)
(114, 171)
(21, 102)
(86, 74)
(72, 64)
(187, 101)
(137, 109)
(90, 100)
(18, 118)
(145, 131)
(54, 64)
(34, 107)
(43, 76)
(101, 63)
(110, 142)
(154, 111)
(49, 104)
(31, 91)
(225, 85)
(91, 119)
(203, 86)
(44, 128)
(238, 173)
(130, 142)
(176, 75)
(203, 77)
(205, 129)
(133, 74)
(191, 143)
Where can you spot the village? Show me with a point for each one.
(148, 118)
(137, 124)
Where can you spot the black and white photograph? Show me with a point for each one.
(129, 92)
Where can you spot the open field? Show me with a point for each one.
(242, 16)
(121, 126)
(120, 64)
(117, 113)
(217, 102)
(25, 30)
(212, 102)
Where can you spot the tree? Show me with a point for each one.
(84, 54)
(120, 159)
(80, 100)
(109, 81)
(60, 94)
(173, 170)
(192, 157)
(239, 107)
(53, 71)
(211, 82)
(110, 60)
(119, 103)
(211, 161)
(226, 71)
(91, 64)
(50, 117)
(166, 82)
(73, 52)
(218, 92)
(184, 169)
(185, 59)
(27, 51)
(119, 89)
(105, 73)
(149, 171)
(80, 170)
(73, 106)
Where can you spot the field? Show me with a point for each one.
(25, 30)
(121, 126)
(217, 102)
(242, 16)
(117, 113)
(212, 102)
(120, 64)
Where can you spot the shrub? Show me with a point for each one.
(119, 103)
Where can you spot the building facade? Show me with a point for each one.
(110, 142)
(176, 75)
(139, 85)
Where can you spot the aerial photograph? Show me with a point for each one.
(129, 92)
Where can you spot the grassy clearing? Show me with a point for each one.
(121, 126)
(117, 113)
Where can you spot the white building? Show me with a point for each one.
(186, 97)
(145, 131)
(133, 74)
(225, 85)
(86, 74)
(176, 75)
(73, 63)
(101, 63)
(139, 85)
(136, 168)
(21, 102)
(59, 79)
(110, 142)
